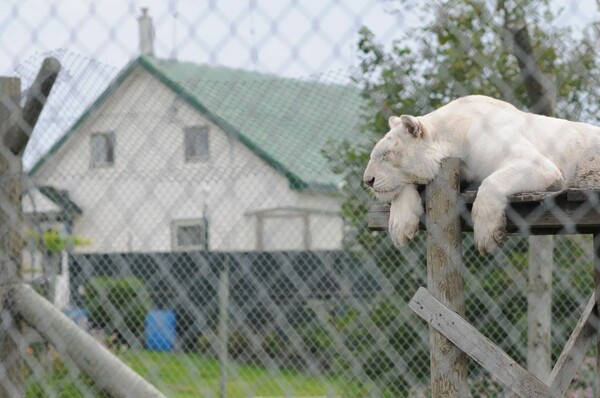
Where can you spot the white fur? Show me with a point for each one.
(506, 150)
(405, 212)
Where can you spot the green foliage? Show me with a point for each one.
(52, 241)
(57, 376)
(204, 345)
(462, 47)
(238, 346)
(118, 305)
(275, 344)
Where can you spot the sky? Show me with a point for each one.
(291, 38)
(295, 38)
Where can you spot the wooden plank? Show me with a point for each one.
(477, 346)
(574, 352)
(582, 195)
(468, 197)
(531, 218)
(16, 139)
(445, 278)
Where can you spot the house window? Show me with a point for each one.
(190, 234)
(103, 149)
(196, 144)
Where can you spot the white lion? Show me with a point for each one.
(504, 149)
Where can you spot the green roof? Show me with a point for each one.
(287, 122)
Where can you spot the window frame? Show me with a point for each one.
(112, 140)
(191, 222)
(203, 151)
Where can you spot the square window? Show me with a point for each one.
(196, 144)
(190, 234)
(103, 149)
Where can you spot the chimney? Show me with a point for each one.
(146, 33)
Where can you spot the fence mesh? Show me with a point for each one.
(193, 194)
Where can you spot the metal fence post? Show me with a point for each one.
(223, 326)
(445, 278)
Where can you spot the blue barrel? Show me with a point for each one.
(79, 316)
(160, 330)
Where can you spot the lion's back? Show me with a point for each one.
(479, 103)
(487, 124)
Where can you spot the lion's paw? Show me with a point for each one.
(402, 227)
(489, 226)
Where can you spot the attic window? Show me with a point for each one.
(196, 144)
(103, 149)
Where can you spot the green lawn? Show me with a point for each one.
(193, 376)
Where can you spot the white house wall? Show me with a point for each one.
(131, 205)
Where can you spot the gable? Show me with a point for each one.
(285, 122)
(79, 84)
(85, 116)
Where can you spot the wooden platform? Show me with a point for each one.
(543, 213)
(574, 211)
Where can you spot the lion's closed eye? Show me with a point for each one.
(386, 155)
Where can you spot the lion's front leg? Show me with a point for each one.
(488, 216)
(405, 211)
(489, 221)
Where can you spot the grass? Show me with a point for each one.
(193, 375)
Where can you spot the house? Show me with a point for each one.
(179, 156)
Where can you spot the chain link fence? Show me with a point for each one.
(193, 195)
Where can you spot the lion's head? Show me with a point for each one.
(407, 154)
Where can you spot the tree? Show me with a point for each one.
(466, 47)
(511, 50)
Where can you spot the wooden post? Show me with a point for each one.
(595, 320)
(483, 351)
(107, 371)
(11, 364)
(539, 309)
(542, 92)
(15, 129)
(491, 357)
(445, 278)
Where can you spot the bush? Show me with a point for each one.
(119, 306)
(239, 345)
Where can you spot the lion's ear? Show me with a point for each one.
(412, 125)
(394, 121)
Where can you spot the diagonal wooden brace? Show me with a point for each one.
(582, 337)
(477, 346)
